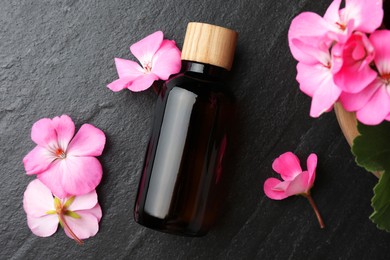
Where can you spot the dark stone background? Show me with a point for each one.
(56, 57)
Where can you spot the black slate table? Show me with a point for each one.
(56, 57)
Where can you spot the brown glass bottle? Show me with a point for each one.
(180, 186)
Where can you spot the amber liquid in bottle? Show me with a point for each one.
(180, 187)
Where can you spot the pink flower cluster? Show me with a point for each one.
(342, 57)
(66, 167)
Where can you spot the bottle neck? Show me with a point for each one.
(203, 71)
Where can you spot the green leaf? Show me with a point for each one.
(372, 151)
(381, 203)
(372, 147)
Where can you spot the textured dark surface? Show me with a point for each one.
(56, 57)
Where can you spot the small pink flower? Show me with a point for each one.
(65, 164)
(159, 59)
(356, 55)
(373, 103)
(295, 181)
(78, 215)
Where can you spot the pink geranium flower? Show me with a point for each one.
(159, 59)
(78, 215)
(356, 55)
(65, 163)
(373, 103)
(295, 181)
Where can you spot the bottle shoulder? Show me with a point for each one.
(198, 85)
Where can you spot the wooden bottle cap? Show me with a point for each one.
(209, 44)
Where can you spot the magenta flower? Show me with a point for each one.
(356, 54)
(159, 59)
(65, 164)
(295, 181)
(78, 215)
(373, 103)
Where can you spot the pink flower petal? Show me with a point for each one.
(89, 141)
(310, 27)
(79, 175)
(380, 40)
(37, 160)
(270, 192)
(311, 168)
(355, 73)
(84, 202)
(43, 226)
(96, 211)
(332, 13)
(310, 77)
(287, 165)
(143, 82)
(37, 199)
(128, 69)
(145, 49)
(367, 15)
(84, 227)
(65, 129)
(43, 132)
(119, 84)
(299, 185)
(376, 109)
(354, 102)
(167, 60)
(52, 178)
(325, 96)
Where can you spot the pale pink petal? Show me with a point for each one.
(37, 160)
(80, 175)
(43, 226)
(325, 96)
(311, 168)
(310, 27)
(96, 211)
(353, 102)
(380, 40)
(319, 53)
(310, 77)
(52, 178)
(119, 84)
(367, 15)
(83, 202)
(376, 109)
(167, 60)
(43, 133)
(37, 199)
(89, 141)
(143, 82)
(287, 165)
(269, 191)
(332, 13)
(145, 49)
(84, 227)
(128, 69)
(299, 185)
(65, 130)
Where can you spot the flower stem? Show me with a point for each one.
(66, 227)
(314, 206)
